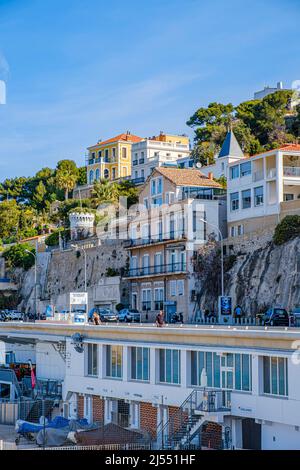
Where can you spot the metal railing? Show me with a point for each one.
(159, 269)
(183, 425)
(139, 180)
(157, 238)
(291, 171)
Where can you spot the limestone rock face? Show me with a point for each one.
(267, 276)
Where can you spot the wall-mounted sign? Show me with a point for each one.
(78, 298)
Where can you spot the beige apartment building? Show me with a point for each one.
(178, 210)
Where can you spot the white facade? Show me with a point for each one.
(263, 186)
(149, 154)
(260, 367)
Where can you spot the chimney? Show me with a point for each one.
(210, 176)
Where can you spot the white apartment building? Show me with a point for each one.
(263, 189)
(162, 150)
(230, 152)
(140, 376)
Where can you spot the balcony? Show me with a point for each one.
(156, 239)
(141, 161)
(291, 171)
(164, 269)
(134, 162)
(139, 180)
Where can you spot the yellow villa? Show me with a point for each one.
(111, 159)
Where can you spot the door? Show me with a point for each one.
(251, 432)
(227, 371)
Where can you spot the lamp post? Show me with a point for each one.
(222, 255)
(76, 247)
(35, 280)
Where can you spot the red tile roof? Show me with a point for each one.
(187, 177)
(121, 137)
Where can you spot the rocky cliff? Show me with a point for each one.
(266, 276)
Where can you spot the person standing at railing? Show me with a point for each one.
(238, 313)
(160, 319)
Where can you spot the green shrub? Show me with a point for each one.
(53, 239)
(17, 256)
(287, 229)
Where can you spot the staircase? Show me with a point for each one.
(184, 427)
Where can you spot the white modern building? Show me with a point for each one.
(238, 386)
(162, 150)
(263, 189)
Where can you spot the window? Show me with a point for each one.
(113, 173)
(245, 168)
(99, 154)
(153, 187)
(124, 152)
(259, 196)
(142, 173)
(288, 197)
(159, 298)
(114, 361)
(91, 177)
(97, 174)
(169, 366)
(234, 201)
(242, 372)
(246, 199)
(208, 361)
(240, 229)
(146, 203)
(106, 173)
(145, 264)
(234, 172)
(146, 299)
(172, 288)
(180, 286)
(275, 379)
(106, 155)
(140, 364)
(232, 231)
(159, 186)
(92, 359)
(113, 151)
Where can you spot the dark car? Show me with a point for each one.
(107, 315)
(276, 317)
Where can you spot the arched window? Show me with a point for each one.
(106, 173)
(97, 174)
(91, 176)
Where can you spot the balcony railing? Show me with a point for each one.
(139, 180)
(157, 238)
(291, 171)
(271, 173)
(158, 269)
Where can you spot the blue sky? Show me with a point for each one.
(77, 71)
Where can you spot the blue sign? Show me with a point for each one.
(225, 305)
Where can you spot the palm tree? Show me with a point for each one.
(105, 192)
(66, 176)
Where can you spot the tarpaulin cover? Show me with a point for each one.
(56, 423)
(58, 437)
(110, 434)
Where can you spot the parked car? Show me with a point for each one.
(276, 316)
(107, 315)
(129, 315)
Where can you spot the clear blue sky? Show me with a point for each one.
(77, 71)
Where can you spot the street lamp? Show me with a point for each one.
(35, 279)
(222, 255)
(76, 247)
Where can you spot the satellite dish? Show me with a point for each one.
(198, 165)
(77, 341)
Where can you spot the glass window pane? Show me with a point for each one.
(108, 359)
(161, 365)
(194, 371)
(266, 364)
(201, 366)
(145, 364)
(245, 372)
(229, 360)
(274, 375)
(176, 366)
(168, 366)
(217, 379)
(229, 379)
(209, 368)
(140, 363)
(237, 372)
(281, 375)
(133, 363)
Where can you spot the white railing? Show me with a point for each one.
(291, 171)
(271, 173)
(258, 175)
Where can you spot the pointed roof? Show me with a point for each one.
(230, 146)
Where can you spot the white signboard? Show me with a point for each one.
(78, 298)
